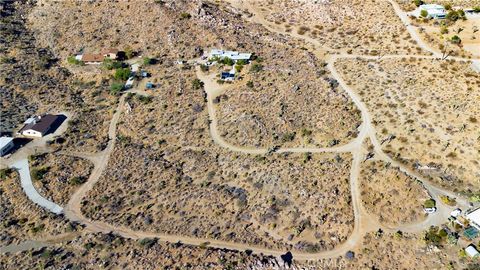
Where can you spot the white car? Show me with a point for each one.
(455, 213)
(430, 210)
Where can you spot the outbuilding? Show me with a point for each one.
(39, 126)
(474, 218)
(6, 144)
(472, 251)
(434, 11)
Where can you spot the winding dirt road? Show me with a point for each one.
(363, 222)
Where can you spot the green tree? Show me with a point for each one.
(197, 84)
(429, 203)
(122, 74)
(110, 64)
(456, 39)
(227, 61)
(147, 61)
(424, 13)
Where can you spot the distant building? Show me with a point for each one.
(434, 11)
(6, 144)
(474, 218)
(39, 126)
(97, 58)
(235, 56)
(91, 58)
(472, 251)
(110, 53)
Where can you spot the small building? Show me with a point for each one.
(110, 53)
(92, 58)
(129, 83)
(234, 55)
(472, 251)
(474, 218)
(39, 126)
(6, 144)
(434, 11)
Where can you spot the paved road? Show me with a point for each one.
(32, 193)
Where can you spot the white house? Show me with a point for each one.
(471, 251)
(474, 218)
(38, 126)
(6, 144)
(235, 56)
(434, 11)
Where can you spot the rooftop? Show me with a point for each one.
(89, 57)
(5, 141)
(42, 124)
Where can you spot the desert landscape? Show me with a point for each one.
(240, 134)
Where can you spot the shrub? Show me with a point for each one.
(185, 15)
(250, 84)
(110, 64)
(144, 99)
(238, 68)
(204, 68)
(256, 67)
(4, 173)
(288, 137)
(115, 88)
(448, 201)
(429, 203)
(227, 61)
(418, 2)
(122, 74)
(197, 84)
(73, 61)
(147, 61)
(39, 173)
(147, 242)
(75, 181)
(424, 13)
(444, 30)
(456, 39)
(129, 53)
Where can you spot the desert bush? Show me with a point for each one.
(197, 84)
(256, 67)
(115, 88)
(429, 203)
(73, 61)
(39, 173)
(122, 74)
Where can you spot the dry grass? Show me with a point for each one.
(426, 112)
(392, 196)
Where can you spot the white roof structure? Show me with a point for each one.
(135, 67)
(474, 218)
(472, 251)
(79, 57)
(4, 141)
(234, 55)
(434, 10)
